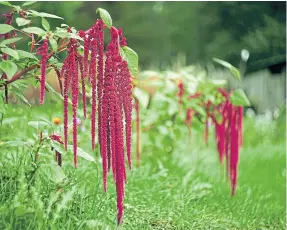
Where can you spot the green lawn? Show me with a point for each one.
(184, 188)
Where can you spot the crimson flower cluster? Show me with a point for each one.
(116, 106)
(228, 132)
(43, 52)
(110, 81)
(229, 136)
(58, 139)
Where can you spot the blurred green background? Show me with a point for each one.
(160, 31)
(168, 35)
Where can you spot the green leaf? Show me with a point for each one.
(172, 107)
(106, 17)
(4, 28)
(238, 97)
(45, 24)
(10, 52)
(34, 30)
(29, 3)
(6, 3)
(22, 210)
(9, 41)
(43, 15)
(62, 34)
(71, 35)
(54, 172)
(131, 57)
(17, 8)
(64, 25)
(13, 144)
(232, 69)
(58, 147)
(23, 98)
(217, 82)
(8, 67)
(81, 153)
(25, 54)
(53, 43)
(196, 124)
(141, 96)
(22, 21)
(38, 124)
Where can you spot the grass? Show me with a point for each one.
(184, 188)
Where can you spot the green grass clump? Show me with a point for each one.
(179, 186)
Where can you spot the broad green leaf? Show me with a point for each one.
(6, 3)
(10, 52)
(34, 30)
(43, 15)
(29, 3)
(232, 69)
(217, 82)
(238, 97)
(43, 119)
(46, 15)
(9, 41)
(38, 124)
(81, 153)
(196, 124)
(17, 8)
(172, 107)
(22, 21)
(132, 59)
(22, 210)
(71, 35)
(8, 67)
(4, 28)
(13, 144)
(62, 34)
(23, 98)
(25, 54)
(53, 43)
(58, 147)
(106, 17)
(54, 172)
(141, 96)
(64, 25)
(45, 24)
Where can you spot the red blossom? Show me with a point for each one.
(188, 119)
(229, 136)
(111, 91)
(43, 51)
(180, 92)
(100, 82)
(58, 139)
(81, 67)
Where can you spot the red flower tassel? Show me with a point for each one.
(43, 51)
(81, 67)
(67, 81)
(75, 93)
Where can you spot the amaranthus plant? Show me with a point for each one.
(189, 96)
(107, 70)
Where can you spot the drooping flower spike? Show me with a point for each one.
(43, 51)
(229, 136)
(58, 139)
(110, 82)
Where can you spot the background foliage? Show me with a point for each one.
(163, 30)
